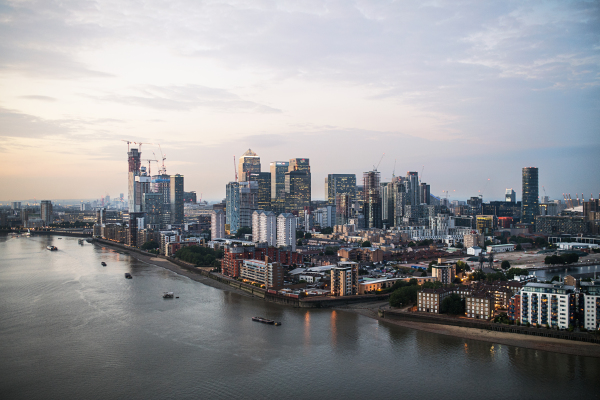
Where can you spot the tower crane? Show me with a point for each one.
(163, 169)
(394, 171)
(375, 167)
(149, 161)
(128, 142)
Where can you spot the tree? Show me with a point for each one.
(404, 296)
(150, 245)
(411, 244)
(519, 247)
(459, 245)
(307, 235)
(327, 230)
(478, 275)
(462, 266)
(555, 278)
(201, 256)
(366, 243)
(424, 273)
(330, 251)
(299, 243)
(244, 230)
(453, 304)
(505, 264)
(299, 234)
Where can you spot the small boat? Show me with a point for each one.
(52, 248)
(168, 295)
(266, 321)
(128, 275)
(103, 264)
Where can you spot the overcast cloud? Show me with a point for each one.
(464, 91)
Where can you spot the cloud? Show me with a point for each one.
(40, 98)
(187, 97)
(19, 125)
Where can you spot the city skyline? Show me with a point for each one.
(460, 93)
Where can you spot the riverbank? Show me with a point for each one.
(511, 339)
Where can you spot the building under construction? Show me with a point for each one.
(372, 199)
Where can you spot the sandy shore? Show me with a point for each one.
(162, 263)
(511, 339)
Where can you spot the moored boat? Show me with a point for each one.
(168, 295)
(103, 264)
(128, 275)
(52, 248)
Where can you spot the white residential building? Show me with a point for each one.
(217, 224)
(344, 279)
(286, 230)
(591, 304)
(547, 304)
(264, 227)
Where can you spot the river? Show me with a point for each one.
(71, 328)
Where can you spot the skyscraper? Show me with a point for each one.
(232, 198)
(248, 202)
(46, 212)
(529, 201)
(412, 189)
(249, 162)
(278, 170)
(510, 196)
(298, 184)
(340, 184)
(264, 188)
(217, 224)
(176, 199)
(372, 199)
(134, 163)
(286, 230)
(425, 191)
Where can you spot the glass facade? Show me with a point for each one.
(336, 184)
(529, 204)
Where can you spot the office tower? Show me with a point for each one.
(510, 196)
(15, 205)
(46, 212)
(143, 184)
(134, 164)
(298, 184)
(190, 197)
(232, 198)
(278, 170)
(264, 227)
(343, 208)
(412, 188)
(248, 202)
(176, 199)
(399, 198)
(153, 207)
(263, 179)
(249, 162)
(425, 192)
(217, 224)
(372, 199)
(336, 184)
(162, 185)
(385, 201)
(529, 199)
(286, 230)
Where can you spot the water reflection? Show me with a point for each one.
(334, 332)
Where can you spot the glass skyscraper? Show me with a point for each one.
(336, 184)
(529, 204)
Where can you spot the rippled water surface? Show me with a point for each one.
(71, 328)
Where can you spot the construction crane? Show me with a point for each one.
(394, 171)
(163, 169)
(375, 167)
(149, 161)
(235, 169)
(485, 187)
(544, 189)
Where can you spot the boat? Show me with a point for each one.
(128, 275)
(168, 295)
(266, 321)
(52, 248)
(103, 264)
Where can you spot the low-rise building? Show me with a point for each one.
(479, 305)
(500, 248)
(430, 300)
(551, 304)
(270, 275)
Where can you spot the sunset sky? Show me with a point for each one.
(464, 91)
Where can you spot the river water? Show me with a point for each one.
(71, 328)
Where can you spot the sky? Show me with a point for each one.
(466, 93)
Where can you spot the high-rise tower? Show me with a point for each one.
(176, 199)
(372, 199)
(529, 201)
(336, 184)
(298, 184)
(134, 163)
(278, 170)
(249, 162)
